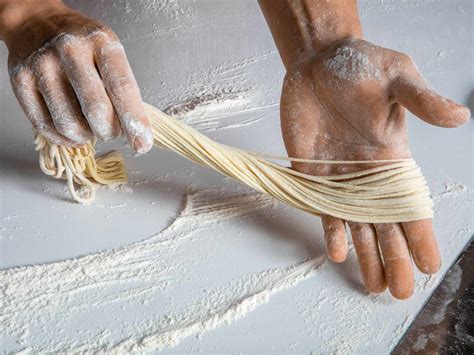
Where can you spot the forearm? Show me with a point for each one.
(305, 27)
(15, 13)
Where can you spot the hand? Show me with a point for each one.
(347, 103)
(71, 76)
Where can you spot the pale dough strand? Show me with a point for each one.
(80, 166)
(393, 192)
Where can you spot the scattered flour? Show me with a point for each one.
(384, 6)
(449, 290)
(6, 218)
(211, 112)
(219, 97)
(110, 207)
(427, 282)
(449, 189)
(134, 294)
(137, 289)
(120, 187)
(343, 318)
(348, 63)
(420, 343)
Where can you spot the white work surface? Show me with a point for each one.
(252, 269)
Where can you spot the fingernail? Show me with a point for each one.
(139, 133)
(144, 143)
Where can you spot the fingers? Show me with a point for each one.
(123, 91)
(73, 101)
(368, 255)
(423, 246)
(335, 237)
(412, 91)
(78, 61)
(32, 103)
(397, 259)
(61, 100)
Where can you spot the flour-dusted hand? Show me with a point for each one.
(71, 75)
(344, 98)
(348, 104)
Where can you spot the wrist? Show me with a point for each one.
(331, 22)
(304, 28)
(14, 14)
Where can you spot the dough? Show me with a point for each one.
(393, 192)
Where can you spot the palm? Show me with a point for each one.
(346, 104)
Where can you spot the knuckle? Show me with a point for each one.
(67, 43)
(333, 232)
(43, 63)
(107, 43)
(405, 58)
(72, 47)
(368, 259)
(107, 48)
(121, 84)
(101, 118)
(400, 63)
(97, 111)
(36, 60)
(104, 35)
(357, 228)
(406, 62)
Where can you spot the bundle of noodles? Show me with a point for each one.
(80, 166)
(394, 191)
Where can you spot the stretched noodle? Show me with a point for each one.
(393, 192)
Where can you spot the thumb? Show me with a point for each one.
(411, 90)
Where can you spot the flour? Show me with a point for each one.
(348, 63)
(136, 129)
(120, 187)
(46, 307)
(6, 218)
(219, 97)
(385, 6)
(110, 207)
(218, 111)
(343, 317)
(428, 282)
(331, 312)
(449, 189)
(205, 112)
(449, 289)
